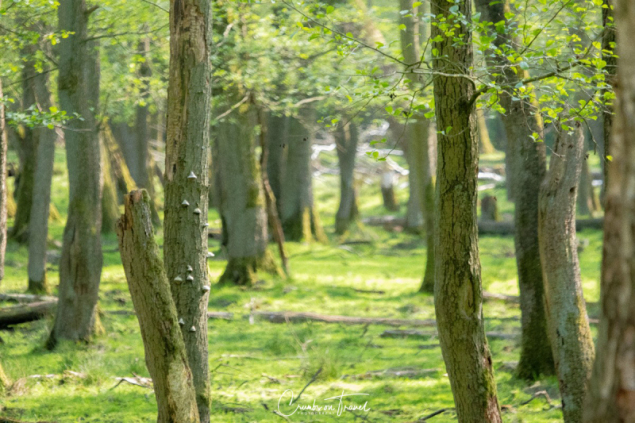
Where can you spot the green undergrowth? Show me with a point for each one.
(253, 364)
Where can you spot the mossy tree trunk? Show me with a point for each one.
(45, 157)
(520, 122)
(242, 199)
(611, 396)
(299, 216)
(187, 148)
(346, 139)
(569, 330)
(165, 352)
(81, 260)
(3, 184)
(458, 292)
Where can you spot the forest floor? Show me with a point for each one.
(252, 364)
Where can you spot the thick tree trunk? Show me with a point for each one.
(346, 139)
(3, 184)
(40, 209)
(611, 396)
(242, 200)
(300, 219)
(81, 261)
(277, 145)
(186, 161)
(569, 330)
(165, 352)
(530, 166)
(27, 151)
(458, 292)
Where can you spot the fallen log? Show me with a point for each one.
(300, 317)
(25, 313)
(417, 334)
(484, 227)
(405, 372)
(26, 298)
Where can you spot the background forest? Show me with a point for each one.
(373, 210)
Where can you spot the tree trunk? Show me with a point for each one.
(387, 184)
(611, 396)
(81, 260)
(608, 55)
(109, 203)
(458, 292)
(242, 200)
(127, 142)
(121, 174)
(40, 209)
(277, 145)
(521, 122)
(165, 352)
(4, 381)
(27, 148)
(186, 162)
(587, 202)
(3, 184)
(489, 209)
(485, 145)
(300, 219)
(347, 138)
(569, 330)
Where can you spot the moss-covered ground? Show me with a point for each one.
(252, 365)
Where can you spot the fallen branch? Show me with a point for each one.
(436, 413)
(26, 298)
(299, 317)
(8, 420)
(313, 379)
(538, 395)
(405, 372)
(417, 334)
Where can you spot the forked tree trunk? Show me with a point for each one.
(300, 219)
(242, 200)
(346, 138)
(521, 122)
(165, 352)
(569, 330)
(185, 245)
(611, 396)
(458, 291)
(3, 184)
(81, 260)
(40, 209)
(27, 148)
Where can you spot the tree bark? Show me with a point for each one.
(109, 203)
(521, 121)
(569, 330)
(485, 145)
(40, 209)
(458, 292)
(387, 185)
(300, 219)
(277, 145)
(81, 261)
(186, 161)
(346, 139)
(118, 166)
(27, 148)
(242, 199)
(608, 55)
(3, 183)
(611, 396)
(587, 203)
(165, 352)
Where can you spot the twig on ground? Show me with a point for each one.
(431, 415)
(313, 379)
(537, 395)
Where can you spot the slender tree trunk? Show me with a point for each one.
(611, 396)
(27, 149)
(187, 148)
(242, 200)
(300, 219)
(3, 184)
(569, 330)
(608, 48)
(127, 142)
(458, 292)
(109, 203)
(485, 145)
(165, 352)
(121, 174)
(81, 261)
(387, 185)
(520, 124)
(277, 145)
(347, 138)
(40, 209)
(588, 202)
(4, 381)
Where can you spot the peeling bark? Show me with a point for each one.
(569, 330)
(165, 351)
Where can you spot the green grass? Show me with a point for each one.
(248, 360)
